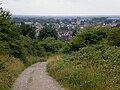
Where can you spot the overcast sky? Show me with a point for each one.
(62, 7)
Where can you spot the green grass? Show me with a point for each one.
(90, 68)
(31, 60)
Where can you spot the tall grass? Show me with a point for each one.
(10, 67)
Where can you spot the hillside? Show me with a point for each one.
(91, 61)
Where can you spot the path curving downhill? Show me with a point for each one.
(35, 77)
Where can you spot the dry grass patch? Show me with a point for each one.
(54, 58)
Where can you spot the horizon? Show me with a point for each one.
(63, 16)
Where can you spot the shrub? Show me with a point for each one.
(14, 45)
(87, 37)
(114, 37)
(48, 32)
(51, 45)
(91, 68)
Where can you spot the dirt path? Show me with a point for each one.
(35, 77)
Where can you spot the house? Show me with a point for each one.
(65, 34)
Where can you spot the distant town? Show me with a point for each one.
(67, 26)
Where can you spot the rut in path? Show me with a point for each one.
(35, 77)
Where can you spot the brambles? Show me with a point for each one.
(51, 45)
(87, 37)
(92, 61)
(90, 68)
(114, 37)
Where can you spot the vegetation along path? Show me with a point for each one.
(35, 77)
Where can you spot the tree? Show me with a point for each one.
(87, 37)
(5, 13)
(114, 37)
(51, 45)
(27, 30)
(75, 31)
(8, 34)
(6, 27)
(48, 32)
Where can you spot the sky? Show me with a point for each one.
(62, 7)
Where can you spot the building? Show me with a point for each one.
(78, 22)
(65, 34)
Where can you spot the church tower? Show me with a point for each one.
(78, 21)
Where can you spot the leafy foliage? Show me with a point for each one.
(5, 13)
(48, 32)
(91, 68)
(8, 34)
(87, 37)
(27, 30)
(51, 45)
(16, 43)
(114, 37)
(92, 62)
(93, 36)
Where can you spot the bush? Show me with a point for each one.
(14, 45)
(48, 32)
(51, 45)
(87, 37)
(114, 37)
(91, 68)
(27, 47)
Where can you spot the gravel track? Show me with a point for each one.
(35, 77)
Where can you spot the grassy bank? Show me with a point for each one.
(91, 68)
(91, 61)
(11, 67)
